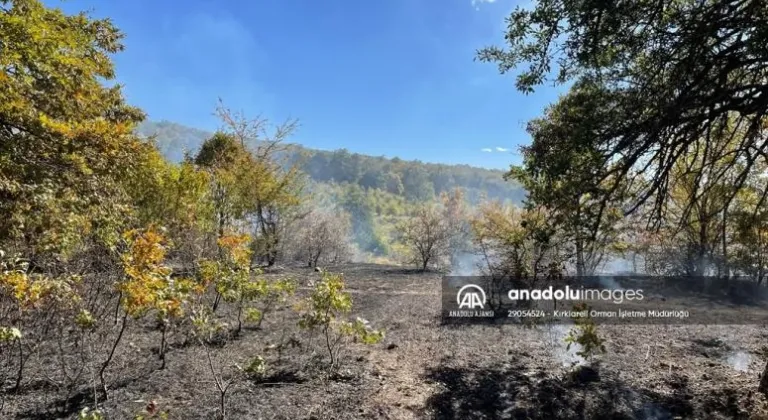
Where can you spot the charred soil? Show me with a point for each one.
(422, 369)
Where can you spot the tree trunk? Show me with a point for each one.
(634, 262)
(111, 355)
(163, 345)
(700, 263)
(579, 257)
(763, 387)
(239, 318)
(20, 372)
(579, 242)
(726, 270)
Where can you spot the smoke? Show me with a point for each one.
(466, 264)
(610, 283)
(555, 335)
(617, 266)
(739, 360)
(365, 242)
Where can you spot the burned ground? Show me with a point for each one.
(425, 370)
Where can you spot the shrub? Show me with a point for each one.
(322, 236)
(88, 414)
(324, 311)
(31, 304)
(584, 333)
(232, 279)
(256, 367)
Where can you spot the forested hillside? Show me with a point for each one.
(416, 181)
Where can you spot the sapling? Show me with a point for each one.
(205, 328)
(34, 301)
(235, 283)
(90, 414)
(145, 284)
(584, 333)
(324, 310)
(172, 298)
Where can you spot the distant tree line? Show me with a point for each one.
(416, 181)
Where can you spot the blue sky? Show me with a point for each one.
(381, 77)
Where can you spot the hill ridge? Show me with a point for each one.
(414, 179)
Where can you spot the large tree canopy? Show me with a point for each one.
(672, 72)
(66, 139)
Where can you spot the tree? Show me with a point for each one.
(272, 186)
(427, 235)
(561, 173)
(518, 244)
(519, 247)
(232, 171)
(252, 189)
(673, 72)
(276, 208)
(678, 77)
(66, 139)
(322, 235)
(751, 237)
(701, 212)
(455, 213)
(178, 197)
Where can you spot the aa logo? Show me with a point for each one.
(471, 296)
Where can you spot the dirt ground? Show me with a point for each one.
(423, 370)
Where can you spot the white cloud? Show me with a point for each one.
(476, 3)
(487, 150)
(501, 149)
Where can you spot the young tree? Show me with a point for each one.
(326, 309)
(518, 244)
(322, 236)
(273, 186)
(233, 172)
(427, 235)
(146, 279)
(455, 212)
